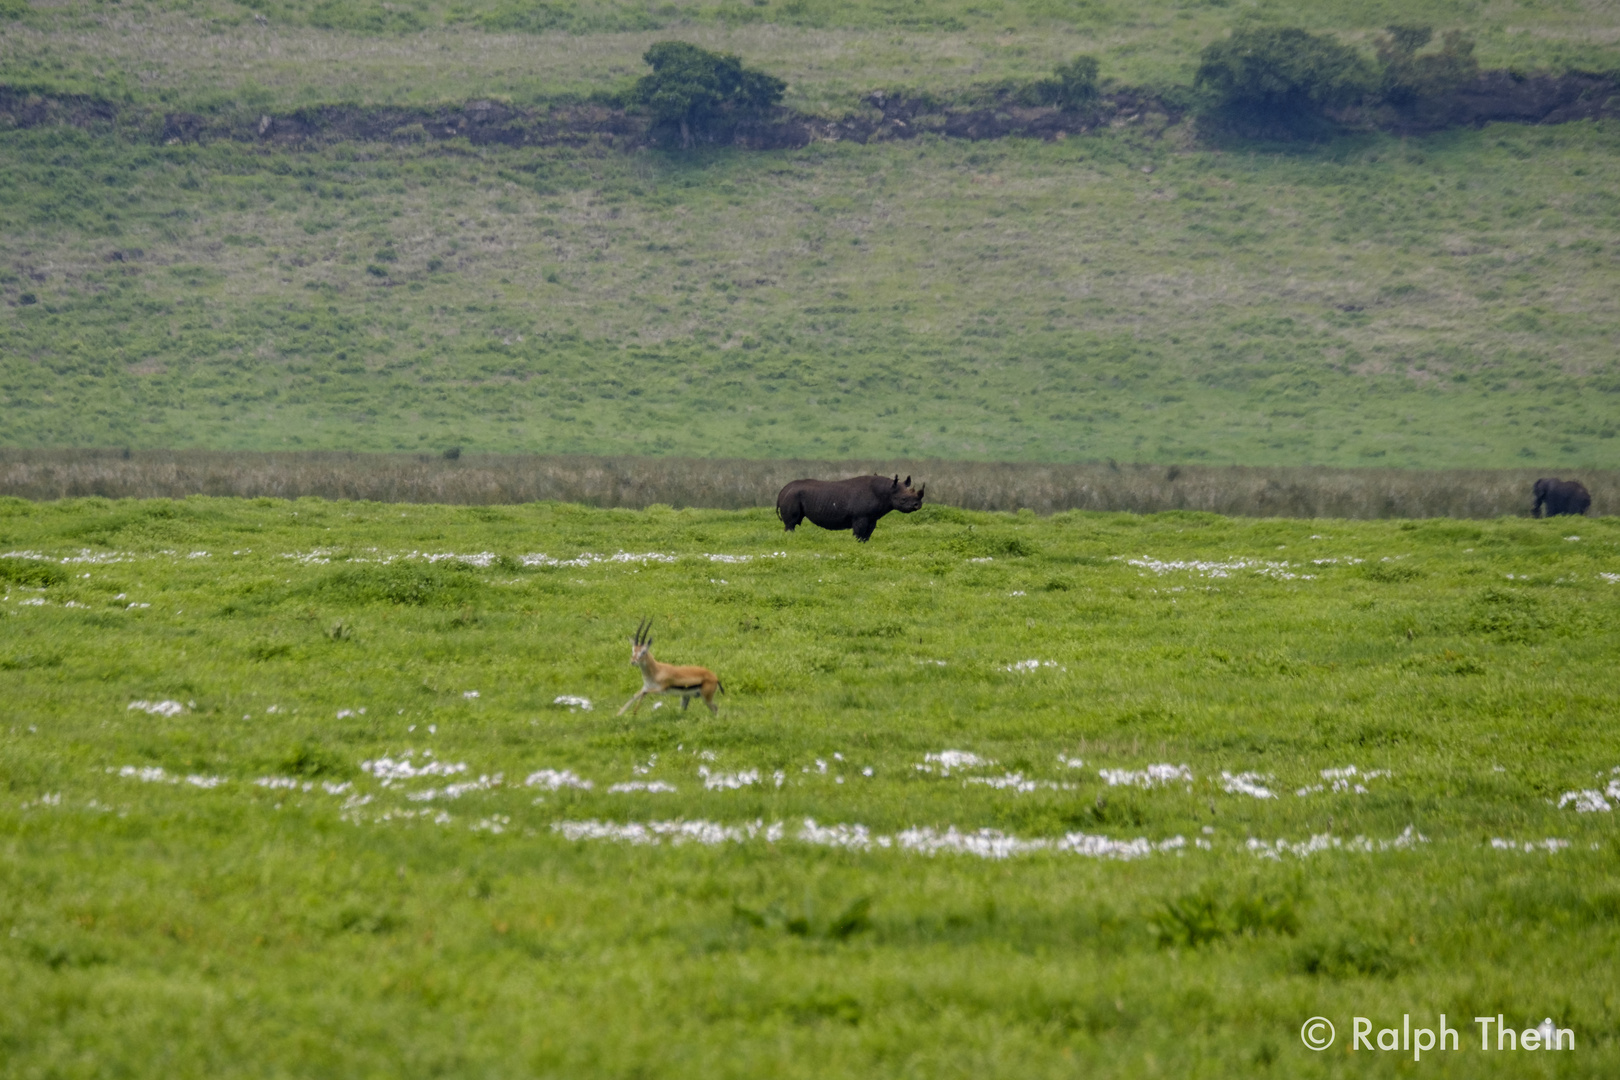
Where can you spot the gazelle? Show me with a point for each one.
(656, 678)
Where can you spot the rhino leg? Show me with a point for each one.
(864, 527)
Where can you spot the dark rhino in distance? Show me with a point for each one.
(1560, 497)
(856, 503)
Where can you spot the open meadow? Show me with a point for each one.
(324, 788)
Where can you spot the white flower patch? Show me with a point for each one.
(152, 774)
(1549, 845)
(496, 824)
(1278, 569)
(1408, 838)
(1153, 776)
(718, 781)
(456, 791)
(158, 708)
(35, 601)
(945, 761)
(1345, 779)
(1346, 560)
(1032, 665)
(1248, 783)
(653, 787)
(1102, 847)
(344, 714)
(985, 843)
(1612, 579)
(849, 837)
(99, 558)
(1011, 781)
(992, 844)
(53, 798)
(1572, 539)
(470, 695)
(575, 702)
(389, 770)
(313, 557)
(982, 559)
(674, 832)
(556, 780)
(1585, 802)
(438, 817)
(481, 559)
(288, 783)
(1594, 802)
(745, 558)
(589, 558)
(921, 840)
(1071, 762)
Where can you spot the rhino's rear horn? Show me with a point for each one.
(920, 489)
(908, 481)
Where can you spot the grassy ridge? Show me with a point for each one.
(1448, 302)
(213, 54)
(207, 924)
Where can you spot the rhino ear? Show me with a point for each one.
(908, 481)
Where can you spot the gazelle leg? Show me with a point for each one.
(636, 701)
(708, 699)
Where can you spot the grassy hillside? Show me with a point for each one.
(300, 789)
(1446, 301)
(1449, 302)
(214, 52)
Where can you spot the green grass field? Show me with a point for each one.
(204, 877)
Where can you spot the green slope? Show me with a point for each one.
(1447, 301)
(1450, 303)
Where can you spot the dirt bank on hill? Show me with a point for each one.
(1494, 96)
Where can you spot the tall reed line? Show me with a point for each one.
(731, 483)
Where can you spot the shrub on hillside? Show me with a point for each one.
(1408, 76)
(1073, 86)
(700, 93)
(1280, 77)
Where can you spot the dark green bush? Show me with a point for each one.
(700, 93)
(1073, 86)
(1205, 916)
(412, 584)
(1409, 77)
(32, 572)
(1280, 76)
